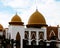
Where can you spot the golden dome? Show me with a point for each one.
(36, 20)
(1, 27)
(16, 18)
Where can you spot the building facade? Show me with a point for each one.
(35, 30)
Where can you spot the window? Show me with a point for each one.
(33, 35)
(41, 35)
(26, 35)
(52, 33)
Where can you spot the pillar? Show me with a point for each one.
(37, 37)
(29, 38)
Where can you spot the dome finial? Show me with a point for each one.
(36, 5)
(36, 9)
(16, 13)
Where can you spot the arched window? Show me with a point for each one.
(41, 35)
(33, 35)
(18, 38)
(52, 33)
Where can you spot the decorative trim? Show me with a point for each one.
(36, 25)
(16, 23)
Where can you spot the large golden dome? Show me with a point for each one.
(1, 27)
(16, 20)
(36, 19)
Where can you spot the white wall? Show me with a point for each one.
(14, 30)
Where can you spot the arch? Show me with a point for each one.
(18, 36)
(41, 35)
(18, 39)
(33, 35)
(52, 33)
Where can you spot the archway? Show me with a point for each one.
(33, 35)
(18, 39)
(41, 35)
(52, 35)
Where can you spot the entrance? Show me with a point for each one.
(18, 39)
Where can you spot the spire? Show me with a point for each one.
(36, 9)
(16, 13)
(36, 5)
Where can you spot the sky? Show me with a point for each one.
(24, 8)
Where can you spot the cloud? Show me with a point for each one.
(17, 3)
(49, 8)
(4, 19)
(57, 0)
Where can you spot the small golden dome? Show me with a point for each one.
(36, 18)
(16, 18)
(1, 27)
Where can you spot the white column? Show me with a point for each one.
(29, 37)
(37, 37)
(21, 43)
(45, 34)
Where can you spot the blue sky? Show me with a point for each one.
(49, 8)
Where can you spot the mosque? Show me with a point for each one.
(36, 30)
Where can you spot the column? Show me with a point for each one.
(45, 34)
(29, 37)
(21, 43)
(37, 37)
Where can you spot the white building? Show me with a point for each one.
(35, 30)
